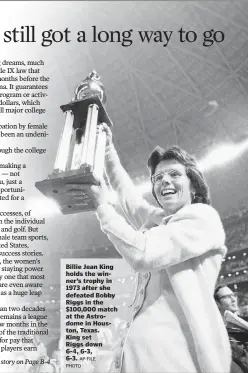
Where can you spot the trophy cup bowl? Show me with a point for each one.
(81, 151)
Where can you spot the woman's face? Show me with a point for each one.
(172, 186)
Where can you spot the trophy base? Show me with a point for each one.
(57, 187)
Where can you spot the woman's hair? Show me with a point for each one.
(192, 171)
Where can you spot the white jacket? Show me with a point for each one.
(188, 245)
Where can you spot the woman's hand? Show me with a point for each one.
(108, 131)
(99, 194)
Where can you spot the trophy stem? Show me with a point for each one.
(100, 152)
(90, 136)
(64, 145)
(77, 143)
(71, 150)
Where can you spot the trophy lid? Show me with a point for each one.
(90, 86)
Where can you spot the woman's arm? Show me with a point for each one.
(134, 206)
(193, 231)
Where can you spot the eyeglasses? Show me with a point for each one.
(158, 178)
(229, 296)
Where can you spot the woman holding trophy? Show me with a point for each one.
(176, 250)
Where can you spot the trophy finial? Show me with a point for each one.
(89, 87)
(94, 75)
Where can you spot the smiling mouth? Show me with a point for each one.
(168, 192)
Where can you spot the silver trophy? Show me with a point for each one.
(80, 156)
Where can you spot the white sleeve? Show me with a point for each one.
(135, 207)
(193, 231)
